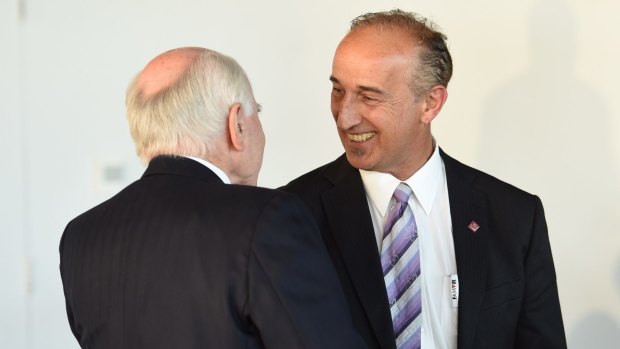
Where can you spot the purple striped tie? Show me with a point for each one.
(400, 259)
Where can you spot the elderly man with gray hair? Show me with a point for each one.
(193, 255)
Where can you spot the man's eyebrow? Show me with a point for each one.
(371, 89)
(363, 88)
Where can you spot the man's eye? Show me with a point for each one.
(337, 90)
(369, 99)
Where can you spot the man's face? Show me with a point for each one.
(379, 121)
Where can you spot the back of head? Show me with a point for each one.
(178, 104)
(433, 64)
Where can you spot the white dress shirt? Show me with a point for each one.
(431, 208)
(223, 176)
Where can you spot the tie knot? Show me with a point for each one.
(402, 193)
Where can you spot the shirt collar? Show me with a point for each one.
(380, 186)
(223, 176)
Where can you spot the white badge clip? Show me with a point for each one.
(454, 290)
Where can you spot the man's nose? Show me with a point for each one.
(348, 114)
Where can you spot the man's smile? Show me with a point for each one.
(360, 137)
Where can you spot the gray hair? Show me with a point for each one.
(433, 65)
(189, 117)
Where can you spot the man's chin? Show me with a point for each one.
(359, 161)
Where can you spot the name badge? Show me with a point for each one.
(454, 290)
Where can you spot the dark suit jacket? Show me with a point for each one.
(180, 260)
(508, 292)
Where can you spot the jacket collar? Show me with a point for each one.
(180, 166)
(349, 219)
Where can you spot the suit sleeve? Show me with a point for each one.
(295, 299)
(66, 283)
(540, 322)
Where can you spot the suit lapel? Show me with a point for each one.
(347, 211)
(349, 218)
(467, 206)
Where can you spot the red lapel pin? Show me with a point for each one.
(473, 226)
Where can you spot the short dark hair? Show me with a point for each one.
(433, 65)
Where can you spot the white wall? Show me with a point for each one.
(13, 208)
(532, 101)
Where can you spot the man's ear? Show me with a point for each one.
(433, 103)
(236, 127)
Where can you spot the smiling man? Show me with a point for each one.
(431, 253)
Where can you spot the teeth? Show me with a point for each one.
(361, 137)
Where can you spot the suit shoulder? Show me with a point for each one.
(267, 199)
(99, 209)
(259, 193)
(318, 179)
(492, 184)
(312, 176)
(493, 187)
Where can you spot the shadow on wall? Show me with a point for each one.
(598, 330)
(548, 132)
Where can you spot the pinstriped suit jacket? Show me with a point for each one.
(178, 259)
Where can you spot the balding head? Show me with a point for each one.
(166, 69)
(179, 103)
(431, 62)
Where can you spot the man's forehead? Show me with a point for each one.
(353, 64)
